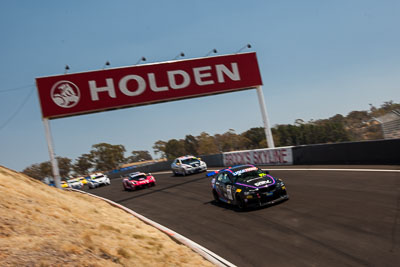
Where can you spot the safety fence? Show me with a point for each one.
(377, 152)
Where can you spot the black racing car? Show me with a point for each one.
(247, 185)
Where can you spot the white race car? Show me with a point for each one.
(75, 183)
(98, 179)
(188, 164)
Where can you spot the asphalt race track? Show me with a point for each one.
(333, 218)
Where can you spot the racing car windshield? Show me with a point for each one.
(137, 178)
(244, 176)
(190, 161)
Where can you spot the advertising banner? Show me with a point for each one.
(266, 156)
(94, 91)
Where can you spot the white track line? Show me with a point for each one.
(341, 170)
(308, 169)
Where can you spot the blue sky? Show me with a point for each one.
(317, 59)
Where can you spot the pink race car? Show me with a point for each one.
(138, 180)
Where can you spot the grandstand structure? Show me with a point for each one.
(390, 124)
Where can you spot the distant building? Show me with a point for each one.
(390, 123)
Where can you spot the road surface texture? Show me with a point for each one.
(333, 218)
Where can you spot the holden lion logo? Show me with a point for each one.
(65, 94)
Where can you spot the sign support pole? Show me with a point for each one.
(264, 115)
(54, 165)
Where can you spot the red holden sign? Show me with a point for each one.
(80, 93)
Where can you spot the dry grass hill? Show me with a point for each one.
(44, 226)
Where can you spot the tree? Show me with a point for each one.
(45, 169)
(230, 141)
(388, 106)
(385, 108)
(139, 155)
(255, 136)
(39, 171)
(222, 144)
(207, 144)
(357, 118)
(64, 166)
(355, 126)
(275, 137)
(106, 156)
(299, 122)
(283, 135)
(191, 144)
(159, 148)
(338, 118)
(175, 148)
(336, 132)
(33, 171)
(83, 164)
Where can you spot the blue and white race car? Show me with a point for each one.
(98, 179)
(245, 186)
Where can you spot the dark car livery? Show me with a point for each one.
(138, 180)
(247, 185)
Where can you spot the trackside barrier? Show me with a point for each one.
(215, 160)
(205, 253)
(366, 152)
(129, 168)
(155, 167)
(266, 156)
(378, 152)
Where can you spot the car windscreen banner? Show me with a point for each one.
(266, 156)
(100, 90)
